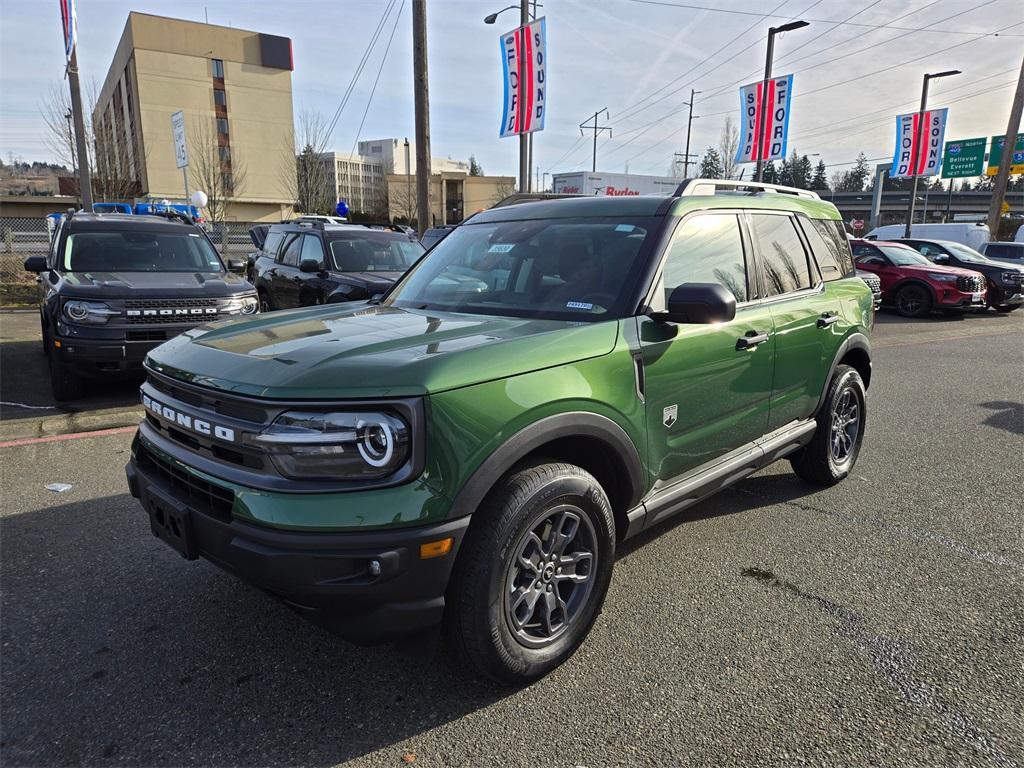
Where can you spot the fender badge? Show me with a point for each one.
(668, 415)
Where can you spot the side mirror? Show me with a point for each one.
(236, 265)
(941, 258)
(309, 265)
(35, 264)
(699, 303)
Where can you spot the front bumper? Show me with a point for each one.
(368, 586)
(116, 355)
(1008, 299)
(951, 298)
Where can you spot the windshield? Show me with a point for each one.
(1005, 252)
(374, 253)
(903, 256)
(573, 269)
(963, 253)
(137, 250)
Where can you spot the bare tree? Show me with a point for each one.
(216, 170)
(401, 195)
(504, 189)
(728, 143)
(306, 177)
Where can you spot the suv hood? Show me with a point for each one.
(364, 350)
(921, 268)
(134, 285)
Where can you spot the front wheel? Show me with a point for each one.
(64, 384)
(1005, 308)
(532, 573)
(913, 301)
(834, 449)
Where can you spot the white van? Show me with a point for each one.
(971, 234)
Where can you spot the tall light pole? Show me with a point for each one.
(922, 136)
(422, 108)
(761, 143)
(689, 126)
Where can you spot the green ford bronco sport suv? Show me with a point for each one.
(550, 379)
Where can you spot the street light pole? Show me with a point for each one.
(689, 126)
(84, 175)
(922, 136)
(761, 115)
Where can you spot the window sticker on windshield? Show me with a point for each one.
(624, 228)
(578, 305)
(501, 248)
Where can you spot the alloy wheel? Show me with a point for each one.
(845, 426)
(551, 576)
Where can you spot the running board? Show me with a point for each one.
(707, 479)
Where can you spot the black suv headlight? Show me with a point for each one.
(1011, 277)
(241, 305)
(89, 312)
(337, 445)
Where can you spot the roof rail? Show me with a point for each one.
(694, 187)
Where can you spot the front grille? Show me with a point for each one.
(146, 335)
(873, 283)
(151, 311)
(210, 401)
(198, 494)
(970, 283)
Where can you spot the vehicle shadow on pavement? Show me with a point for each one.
(1008, 416)
(117, 650)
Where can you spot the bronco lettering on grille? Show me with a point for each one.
(180, 312)
(185, 421)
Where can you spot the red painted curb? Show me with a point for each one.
(72, 436)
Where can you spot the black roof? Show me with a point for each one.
(100, 222)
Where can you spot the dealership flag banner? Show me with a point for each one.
(523, 108)
(777, 102)
(919, 152)
(69, 21)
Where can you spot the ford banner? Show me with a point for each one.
(523, 109)
(919, 138)
(767, 142)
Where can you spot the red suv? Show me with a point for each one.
(913, 284)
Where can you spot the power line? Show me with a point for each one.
(380, 69)
(692, 7)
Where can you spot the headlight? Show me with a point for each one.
(941, 277)
(245, 305)
(89, 312)
(1011, 277)
(358, 445)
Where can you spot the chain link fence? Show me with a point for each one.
(24, 237)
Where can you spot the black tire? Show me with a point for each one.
(1007, 308)
(913, 301)
(485, 620)
(266, 305)
(64, 384)
(45, 334)
(830, 456)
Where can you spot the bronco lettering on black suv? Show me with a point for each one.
(550, 379)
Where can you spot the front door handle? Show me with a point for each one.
(751, 340)
(826, 320)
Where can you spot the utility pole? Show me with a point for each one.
(84, 177)
(596, 129)
(689, 126)
(1009, 143)
(408, 183)
(920, 140)
(422, 107)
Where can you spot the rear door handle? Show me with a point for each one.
(826, 320)
(751, 340)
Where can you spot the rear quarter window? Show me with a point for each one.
(272, 243)
(830, 247)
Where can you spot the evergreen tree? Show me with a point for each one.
(711, 164)
(770, 174)
(859, 175)
(820, 180)
(475, 169)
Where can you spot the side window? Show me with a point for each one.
(290, 254)
(783, 259)
(311, 249)
(272, 243)
(707, 248)
(830, 247)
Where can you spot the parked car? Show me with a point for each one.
(971, 234)
(301, 265)
(913, 285)
(1004, 279)
(315, 217)
(434, 235)
(472, 455)
(1012, 252)
(114, 286)
(875, 284)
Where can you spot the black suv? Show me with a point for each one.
(301, 264)
(114, 286)
(1004, 279)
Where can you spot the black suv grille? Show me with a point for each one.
(148, 311)
(970, 283)
(873, 283)
(209, 498)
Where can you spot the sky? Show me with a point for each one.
(638, 58)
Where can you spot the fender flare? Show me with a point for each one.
(912, 281)
(855, 340)
(528, 439)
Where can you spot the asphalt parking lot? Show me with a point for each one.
(879, 622)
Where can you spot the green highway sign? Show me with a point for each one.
(996, 157)
(964, 157)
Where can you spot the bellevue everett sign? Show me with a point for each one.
(963, 158)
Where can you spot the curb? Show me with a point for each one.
(69, 423)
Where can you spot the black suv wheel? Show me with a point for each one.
(913, 301)
(532, 573)
(64, 384)
(833, 450)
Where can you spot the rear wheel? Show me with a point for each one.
(65, 384)
(264, 299)
(913, 301)
(532, 574)
(834, 449)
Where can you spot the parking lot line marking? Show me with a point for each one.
(30, 407)
(71, 436)
(894, 343)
